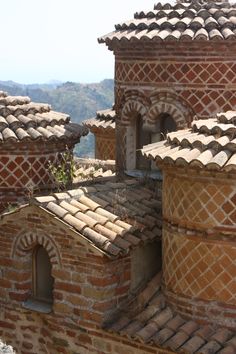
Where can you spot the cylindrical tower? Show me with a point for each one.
(199, 233)
(32, 138)
(176, 61)
(103, 128)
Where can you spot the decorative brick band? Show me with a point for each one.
(192, 72)
(26, 242)
(197, 201)
(199, 269)
(208, 312)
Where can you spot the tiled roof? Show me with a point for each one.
(194, 20)
(90, 169)
(148, 319)
(109, 215)
(210, 144)
(22, 120)
(104, 119)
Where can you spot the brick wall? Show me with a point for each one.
(24, 169)
(199, 249)
(105, 145)
(182, 79)
(88, 289)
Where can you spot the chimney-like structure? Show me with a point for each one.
(103, 128)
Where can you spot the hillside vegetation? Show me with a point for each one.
(80, 101)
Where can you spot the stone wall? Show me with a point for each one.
(199, 244)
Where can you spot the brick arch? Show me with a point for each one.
(166, 102)
(27, 241)
(134, 102)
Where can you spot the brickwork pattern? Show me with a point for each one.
(199, 202)
(24, 169)
(199, 269)
(86, 292)
(105, 148)
(207, 87)
(177, 72)
(19, 171)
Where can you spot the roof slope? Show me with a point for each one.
(194, 20)
(22, 120)
(148, 319)
(114, 217)
(210, 144)
(104, 119)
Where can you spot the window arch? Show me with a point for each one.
(43, 281)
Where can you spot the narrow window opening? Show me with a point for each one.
(42, 279)
(143, 137)
(167, 125)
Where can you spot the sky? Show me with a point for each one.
(45, 40)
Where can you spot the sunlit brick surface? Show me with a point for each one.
(199, 269)
(23, 171)
(201, 202)
(199, 250)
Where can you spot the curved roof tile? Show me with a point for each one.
(104, 119)
(108, 215)
(22, 120)
(149, 320)
(210, 144)
(202, 19)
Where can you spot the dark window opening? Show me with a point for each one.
(42, 279)
(167, 125)
(143, 137)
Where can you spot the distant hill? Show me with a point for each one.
(80, 101)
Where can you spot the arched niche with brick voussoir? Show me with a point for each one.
(171, 104)
(38, 256)
(147, 119)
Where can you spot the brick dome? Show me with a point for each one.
(31, 135)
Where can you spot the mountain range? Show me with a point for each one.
(79, 100)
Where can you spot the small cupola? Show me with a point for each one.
(103, 128)
(32, 137)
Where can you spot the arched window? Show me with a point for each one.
(42, 278)
(167, 125)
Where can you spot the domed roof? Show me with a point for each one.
(104, 119)
(210, 144)
(190, 20)
(22, 120)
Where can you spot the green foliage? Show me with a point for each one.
(63, 171)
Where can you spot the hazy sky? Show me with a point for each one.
(42, 40)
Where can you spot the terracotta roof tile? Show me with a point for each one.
(104, 119)
(90, 169)
(150, 320)
(194, 20)
(22, 120)
(192, 345)
(209, 144)
(210, 347)
(107, 219)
